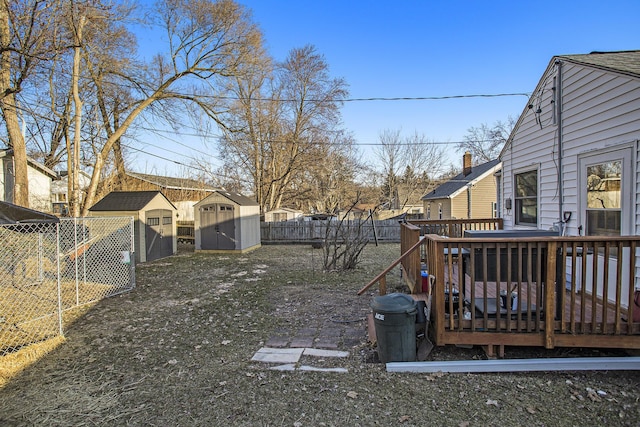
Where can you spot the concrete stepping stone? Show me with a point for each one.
(278, 355)
(318, 352)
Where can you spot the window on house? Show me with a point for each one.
(604, 208)
(494, 210)
(526, 189)
(439, 210)
(429, 211)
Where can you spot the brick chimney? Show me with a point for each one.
(466, 163)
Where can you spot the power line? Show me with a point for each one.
(278, 141)
(397, 98)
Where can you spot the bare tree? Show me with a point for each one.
(24, 42)
(485, 142)
(281, 121)
(409, 164)
(345, 239)
(208, 42)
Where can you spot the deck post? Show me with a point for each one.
(382, 285)
(438, 286)
(550, 294)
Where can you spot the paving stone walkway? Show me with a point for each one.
(332, 339)
(331, 336)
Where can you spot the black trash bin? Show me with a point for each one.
(395, 321)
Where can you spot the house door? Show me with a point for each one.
(606, 185)
(158, 234)
(217, 227)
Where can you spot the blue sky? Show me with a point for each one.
(438, 49)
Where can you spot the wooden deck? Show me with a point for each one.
(572, 291)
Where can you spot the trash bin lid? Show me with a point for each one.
(394, 303)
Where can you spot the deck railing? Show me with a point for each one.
(533, 291)
(455, 227)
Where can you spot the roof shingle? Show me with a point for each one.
(125, 201)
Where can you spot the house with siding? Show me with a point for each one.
(571, 161)
(282, 214)
(60, 191)
(40, 178)
(470, 194)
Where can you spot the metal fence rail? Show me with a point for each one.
(48, 269)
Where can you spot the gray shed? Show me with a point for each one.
(154, 221)
(226, 222)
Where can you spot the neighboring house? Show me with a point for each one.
(571, 161)
(60, 191)
(282, 214)
(184, 193)
(154, 226)
(471, 194)
(40, 178)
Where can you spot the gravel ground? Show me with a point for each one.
(177, 351)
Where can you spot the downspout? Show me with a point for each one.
(558, 101)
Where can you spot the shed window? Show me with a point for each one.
(526, 188)
(153, 221)
(166, 220)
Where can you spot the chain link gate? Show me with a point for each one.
(47, 269)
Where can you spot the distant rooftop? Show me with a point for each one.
(173, 183)
(460, 181)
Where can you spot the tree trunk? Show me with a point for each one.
(10, 114)
(77, 105)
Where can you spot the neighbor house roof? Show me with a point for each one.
(126, 201)
(173, 183)
(459, 182)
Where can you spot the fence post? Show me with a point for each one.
(59, 282)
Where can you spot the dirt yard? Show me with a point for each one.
(177, 350)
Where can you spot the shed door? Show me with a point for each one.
(217, 227)
(159, 234)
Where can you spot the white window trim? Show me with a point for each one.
(514, 209)
(624, 152)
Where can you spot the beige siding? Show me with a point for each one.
(446, 208)
(483, 195)
(459, 206)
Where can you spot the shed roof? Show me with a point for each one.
(127, 201)
(458, 182)
(14, 214)
(236, 198)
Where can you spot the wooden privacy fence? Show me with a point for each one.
(309, 231)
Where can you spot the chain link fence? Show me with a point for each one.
(47, 270)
